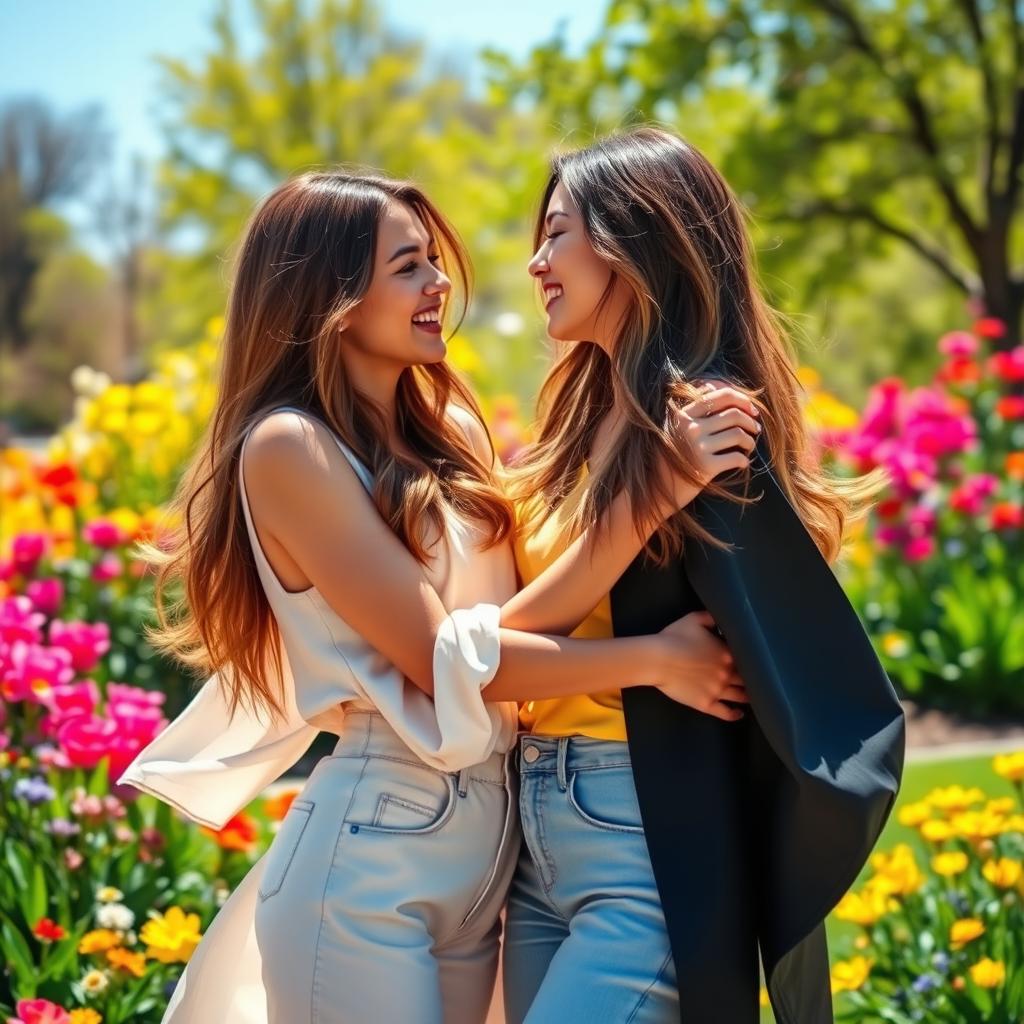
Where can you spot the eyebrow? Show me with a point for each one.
(405, 250)
(552, 214)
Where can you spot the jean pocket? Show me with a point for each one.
(606, 798)
(282, 849)
(401, 798)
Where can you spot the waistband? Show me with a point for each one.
(367, 733)
(562, 754)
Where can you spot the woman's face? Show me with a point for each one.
(398, 319)
(573, 279)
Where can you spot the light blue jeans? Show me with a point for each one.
(585, 934)
(381, 894)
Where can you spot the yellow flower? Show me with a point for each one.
(1003, 805)
(109, 894)
(896, 645)
(133, 963)
(99, 941)
(171, 937)
(85, 1016)
(1003, 873)
(863, 908)
(897, 872)
(988, 973)
(1009, 766)
(967, 929)
(94, 982)
(916, 814)
(849, 975)
(937, 831)
(954, 798)
(976, 825)
(947, 864)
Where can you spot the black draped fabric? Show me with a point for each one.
(757, 828)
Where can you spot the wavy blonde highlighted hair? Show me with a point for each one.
(306, 259)
(669, 227)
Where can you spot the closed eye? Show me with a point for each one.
(412, 264)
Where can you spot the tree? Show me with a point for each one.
(43, 159)
(901, 121)
(327, 82)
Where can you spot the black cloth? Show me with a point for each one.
(757, 828)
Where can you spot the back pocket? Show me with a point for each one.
(401, 797)
(282, 849)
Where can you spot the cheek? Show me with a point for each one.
(584, 277)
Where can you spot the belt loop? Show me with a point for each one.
(462, 784)
(563, 750)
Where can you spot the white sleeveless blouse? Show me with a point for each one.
(210, 764)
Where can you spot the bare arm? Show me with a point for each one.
(307, 496)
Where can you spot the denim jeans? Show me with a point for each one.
(585, 933)
(381, 894)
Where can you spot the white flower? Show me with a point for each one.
(94, 982)
(115, 916)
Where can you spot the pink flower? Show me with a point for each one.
(6, 569)
(70, 699)
(87, 739)
(31, 672)
(918, 549)
(27, 549)
(46, 595)
(86, 805)
(86, 643)
(20, 621)
(958, 344)
(103, 533)
(971, 495)
(73, 859)
(922, 521)
(41, 1011)
(107, 568)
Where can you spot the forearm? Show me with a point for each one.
(558, 600)
(540, 667)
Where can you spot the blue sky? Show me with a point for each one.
(75, 52)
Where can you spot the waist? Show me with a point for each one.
(366, 733)
(560, 754)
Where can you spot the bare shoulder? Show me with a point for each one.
(474, 431)
(288, 449)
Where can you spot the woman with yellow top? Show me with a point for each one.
(667, 844)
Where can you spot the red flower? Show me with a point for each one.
(48, 931)
(58, 475)
(240, 833)
(889, 508)
(1011, 407)
(960, 371)
(989, 327)
(1007, 516)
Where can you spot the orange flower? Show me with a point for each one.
(1015, 465)
(276, 807)
(133, 963)
(240, 833)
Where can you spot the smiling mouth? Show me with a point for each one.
(429, 321)
(552, 292)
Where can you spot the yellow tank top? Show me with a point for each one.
(596, 714)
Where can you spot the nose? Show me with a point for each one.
(441, 285)
(539, 264)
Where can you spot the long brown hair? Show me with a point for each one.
(305, 260)
(671, 229)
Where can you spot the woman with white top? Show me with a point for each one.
(345, 562)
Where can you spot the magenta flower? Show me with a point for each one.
(20, 621)
(27, 549)
(108, 568)
(1008, 366)
(87, 739)
(46, 595)
(86, 642)
(919, 548)
(70, 699)
(31, 672)
(970, 497)
(103, 533)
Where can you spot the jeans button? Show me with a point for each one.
(530, 754)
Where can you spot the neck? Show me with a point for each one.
(376, 379)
